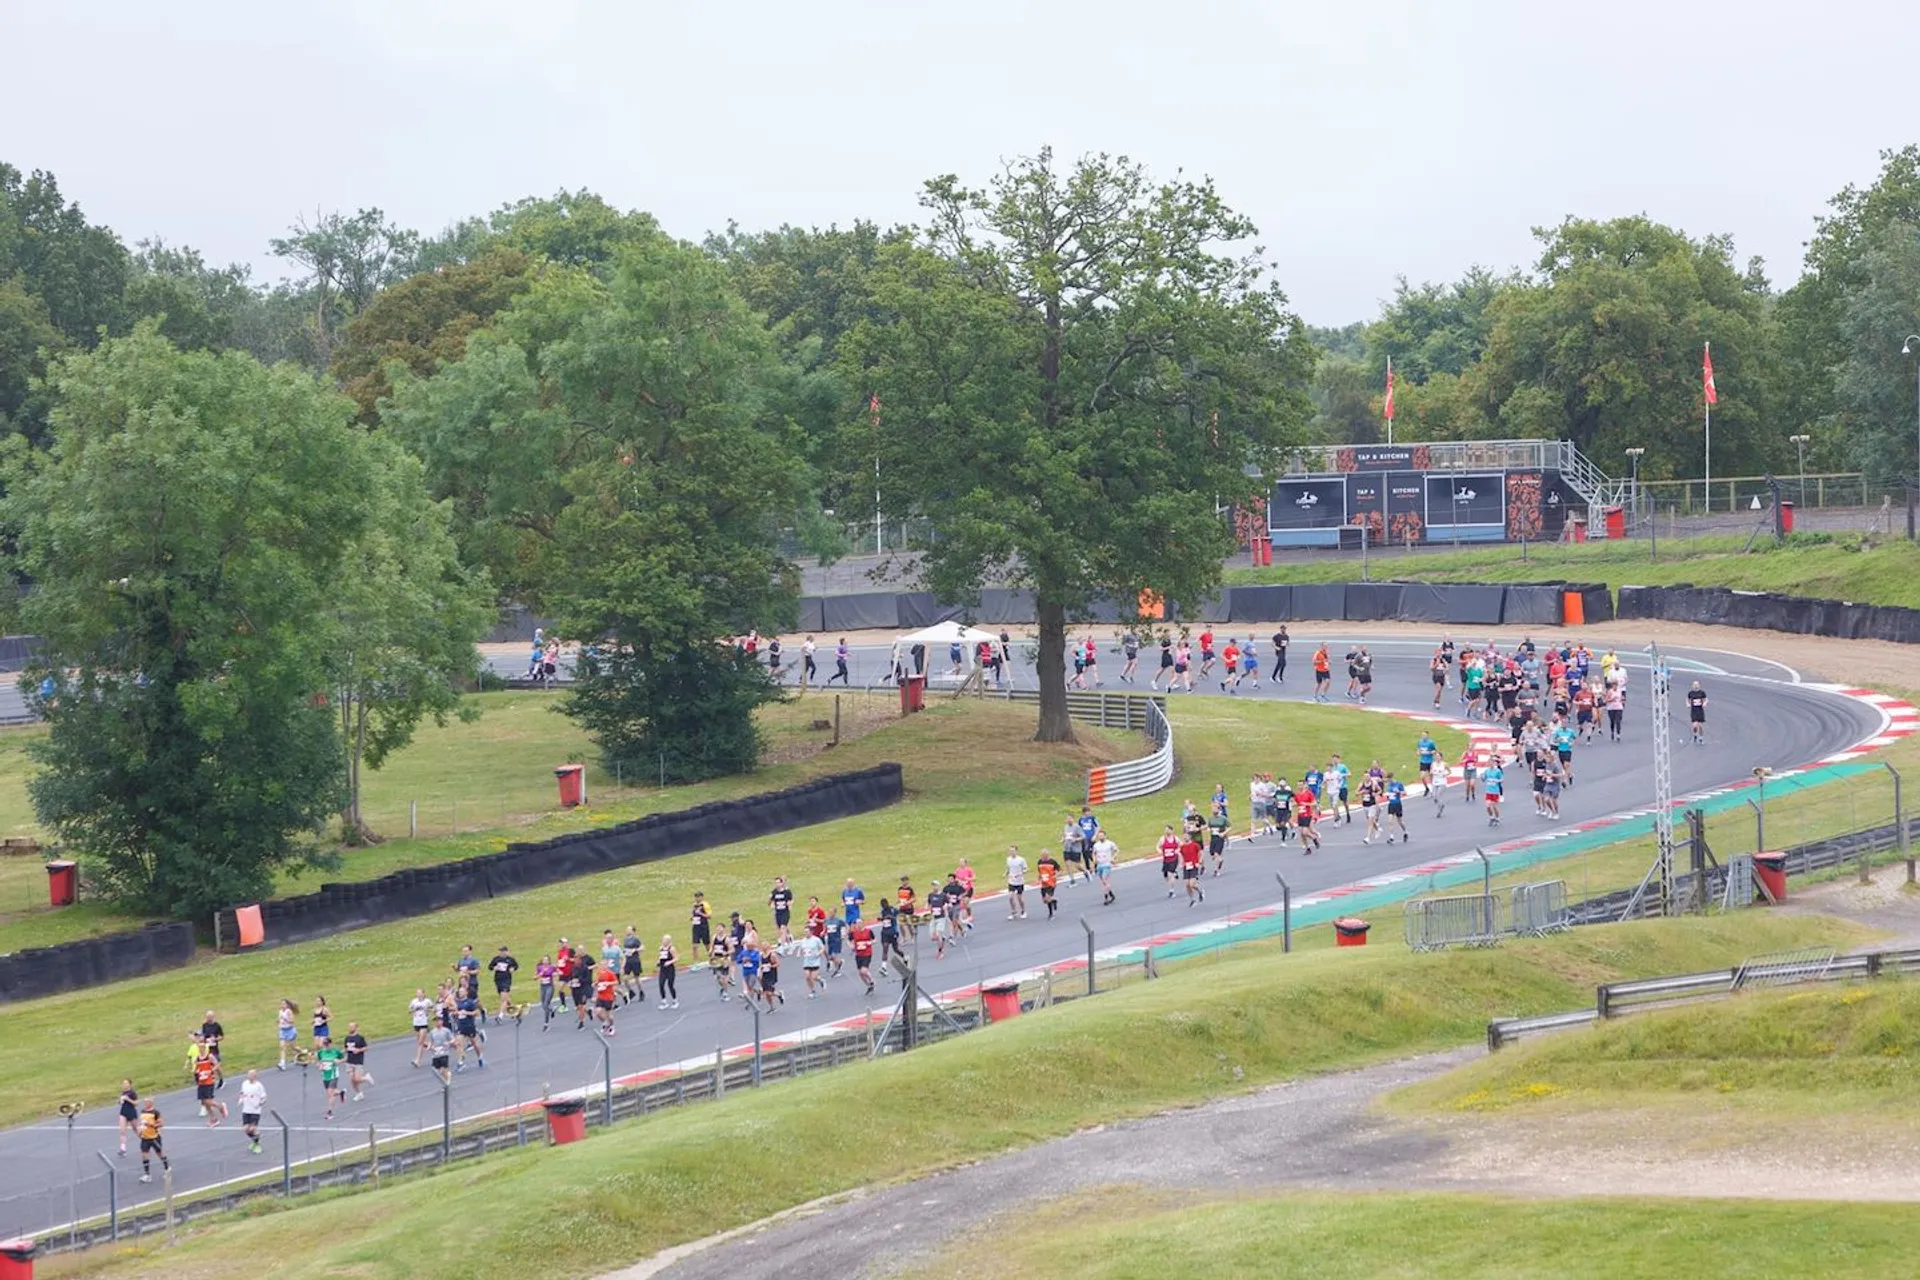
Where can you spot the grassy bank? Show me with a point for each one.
(1196, 1034)
(1469, 1237)
(1800, 1053)
(976, 784)
(1840, 568)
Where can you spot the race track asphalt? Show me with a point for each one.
(1759, 716)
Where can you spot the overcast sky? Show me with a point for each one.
(1367, 141)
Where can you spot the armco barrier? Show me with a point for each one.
(76, 966)
(1800, 615)
(404, 894)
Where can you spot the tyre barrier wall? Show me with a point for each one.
(1452, 603)
(1767, 611)
(83, 965)
(337, 908)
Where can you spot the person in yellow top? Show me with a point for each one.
(149, 1126)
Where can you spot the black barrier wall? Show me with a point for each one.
(1761, 610)
(82, 965)
(337, 908)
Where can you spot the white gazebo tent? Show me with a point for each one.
(939, 639)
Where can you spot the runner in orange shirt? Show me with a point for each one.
(1230, 664)
(1049, 874)
(1322, 674)
(606, 989)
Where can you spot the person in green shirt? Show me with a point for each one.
(330, 1056)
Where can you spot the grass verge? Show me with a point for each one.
(1380, 1237)
(976, 783)
(1194, 1035)
(1812, 564)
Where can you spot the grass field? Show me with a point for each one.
(1806, 1053)
(1466, 1237)
(1196, 1034)
(1806, 565)
(976, 783)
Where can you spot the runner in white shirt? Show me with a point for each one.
(1104, 852)
(420, 1011)
(253, 1103)
(813, 950)
(1016, 884)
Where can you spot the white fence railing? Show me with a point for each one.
(1130, 778)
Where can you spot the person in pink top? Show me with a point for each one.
(964, 874)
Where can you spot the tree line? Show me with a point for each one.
(260, 526)
(1599, 340)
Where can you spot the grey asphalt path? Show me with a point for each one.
(1755, 721)
(1317, 1132)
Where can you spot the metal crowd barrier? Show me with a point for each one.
(1470, 920)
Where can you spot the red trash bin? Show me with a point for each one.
(16, 1260)
(1002, 1001)
(1770, 869)
(1350, 931)
(1616, 518)
(573, 784)
(566, 1121)
(1576, 528)
(913, 694)
(63, 883)
(1786, 517)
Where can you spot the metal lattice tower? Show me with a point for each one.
(1661, 727)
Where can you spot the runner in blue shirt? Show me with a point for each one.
(1397, 808)
(1563, 736)
(1492, 783)
(1315, 782)
(851, 899)
(748, 964)
(1427, 748)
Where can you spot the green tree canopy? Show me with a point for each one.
(185, 532)
(1072, 373)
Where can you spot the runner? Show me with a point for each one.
(322, 1021)
(1617, 708)
(1305, 801)
(1562, 737)
(1397, 808)
(1089, 830)
(1230, 666)
(1426, 749)
(666, 970)
(773, 661)
(840, 655)
(1091, 652)
(852, 898)
(288, 1014)
(1369, 807)
(1183, 666)
(503, 967)
(1130, 650)
(1166, 666)
(1070, 847)
(1697, 714)
(1217, 835)
(1104, 852)
(358, 1077)
(1353, 673)
(253, 1104)
(964, 874)
(1249, 666)
(1016, 884)
(1550, 791)
(1170, 859)
(956, 906)
(836, 936)
(816, 918)
(1338, 778)
(580, 990)
(720, 963)
(813, 954)
(1280, 642)
(129, 1112)
(747, 960)
(1493, 782)
(862, 938)
(206, 1070)
(1047, 872)
(632, 972)
(211, 1034)
(330, 1056)
(149, 1126)
(468, 1025)
(440, 1047)
(1437, 667)
(1469, 770)
(1366, 675)
(890, 937)
(781, 900)
(937, 916)
(1283, 809)
(1206, 652)
(1190, 851)
(1322, 674)
(770, 978)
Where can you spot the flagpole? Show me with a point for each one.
(1707, 459)
(1389, 399)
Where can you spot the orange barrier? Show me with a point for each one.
(1573, 609)
(253, 931)
(1096, 786)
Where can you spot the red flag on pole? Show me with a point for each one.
(1389, 388)
(1706, 373)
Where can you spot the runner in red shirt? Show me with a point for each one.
(1303, 816)
(816, 918)
(863, 952)
(1170, 859)
(1230, 664)
(1190, 871)
(1206, 652)
(606, 988)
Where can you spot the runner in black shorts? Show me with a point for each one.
(1697, 712)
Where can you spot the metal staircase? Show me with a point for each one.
(1587, 480)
